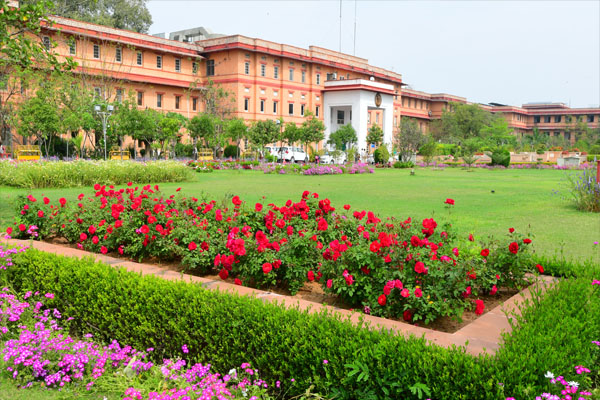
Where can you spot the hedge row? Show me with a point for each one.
(225, 329)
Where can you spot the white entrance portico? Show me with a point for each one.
(349, 101)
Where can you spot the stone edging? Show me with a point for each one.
(483, 335)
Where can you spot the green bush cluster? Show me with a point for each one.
(554, 333)
(500, 157)
(58, 174)
(404, 164)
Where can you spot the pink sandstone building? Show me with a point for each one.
(270, 81)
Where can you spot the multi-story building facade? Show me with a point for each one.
(269, 81)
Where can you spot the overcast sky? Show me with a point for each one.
(510, 52)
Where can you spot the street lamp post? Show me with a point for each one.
(104, 115)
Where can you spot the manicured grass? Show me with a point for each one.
(523, 199)
(10, 391)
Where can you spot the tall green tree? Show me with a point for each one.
(312, 130)
(202, 127)
(344, 138)
(169, 126)
(39, 118)
(498, 132)
(375, 135)
(122, 14)
(236, 130)
(262, 133)
(409, 139)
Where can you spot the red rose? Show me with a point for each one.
(62, 201)
(387, 290)
(280, 223)
(92, 229)
(420, 268)
(118, 223)
(346, 207)
(526, 241)
(404, 293)
(311, 276)
(467, 292)
(40, 214)
(95, 240)
(540, 268)
(485, 252)
(418, 292)
(471, 239)
(237, 282)
(375, 246)
(329, 283)
(103, 250)
(266, 267)
(9, 230)
(223, 274)
(145, 229)
(415, 241)
(493, 290)
(192, 246)
(479, 307)
(83, 237)
(290, 230)
(258, 207)
(511, 230)
(449, 202)
(46, 200)
(382, 300)
(407, 315)
(513, 247)
(322, 224)
(236, 200)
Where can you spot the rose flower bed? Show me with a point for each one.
(400, 269)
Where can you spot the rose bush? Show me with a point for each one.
(402, 269)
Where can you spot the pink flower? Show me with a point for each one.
(404, 293)
(418, 292)
(455, 251)
(479, 307)
(329, 283)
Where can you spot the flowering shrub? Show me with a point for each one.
(585, 191)
(317, 169)
(209, 166)
(413, 271)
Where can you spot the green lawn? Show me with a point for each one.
(523, 199)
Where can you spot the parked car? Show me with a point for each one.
(272, 150)
(328, 158)
(292, 154)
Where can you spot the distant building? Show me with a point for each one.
(270, 80)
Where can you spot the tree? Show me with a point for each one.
(428, 151)
(375, 136)
(236, 130)
(343, 138)
(38, 118)
(498, 132)
(169, 125)
(132, 15)
(462, 121)
(262, 133)
(202, 126)
(21, 50)
(312, 129)
(139, 124)
(409, 139)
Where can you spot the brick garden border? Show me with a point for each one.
(483, 335)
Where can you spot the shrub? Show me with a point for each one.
(585, 191)
(47, 174)
(401, 164)
(553, 333)
(593, 157)
(231, 151)
(500, 157)
(381, 155)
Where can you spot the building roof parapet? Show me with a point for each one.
(96, 31)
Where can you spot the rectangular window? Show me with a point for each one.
(568, 119)
(340, 117)
(46, 42)
(558, 118)
(557, 133)
(536, 119)
(177, 65)
(317, 109)
(263, 70)
(139, 59)
(210, 67)
(302, 109)
(368, 118)
(118, 54)
(246, 104)
(96, 51)
(291, 109)
(194, 103)
(547, 119)
(567, 135)
(177, 101)
(158, 100)
(140, 98)
(194, 67)
(119, 95)
(276, 72)
(159, 62)
(72, 48)
(262, 106)
(291, 74)
(590, 118)
(303, 76)
(247, 68)
(274, 107)
(318, 79)
(97, 92)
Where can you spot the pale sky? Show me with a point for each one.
(509, 52)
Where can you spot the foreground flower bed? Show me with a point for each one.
(47, 174)
(553, 333)
(400, 269)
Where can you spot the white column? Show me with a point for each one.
(387, 104)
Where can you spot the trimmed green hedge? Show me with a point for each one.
(226, 329)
